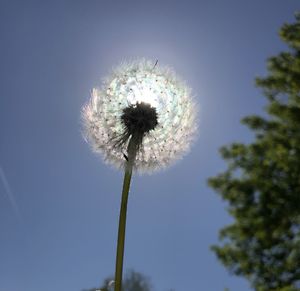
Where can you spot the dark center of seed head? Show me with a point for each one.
(139, 119)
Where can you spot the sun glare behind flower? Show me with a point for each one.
(144, 92)
(162, 139)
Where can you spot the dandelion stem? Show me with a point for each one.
(132, 148)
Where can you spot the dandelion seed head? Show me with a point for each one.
(140, 96)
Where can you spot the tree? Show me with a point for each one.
(262, 181)
(133, 281)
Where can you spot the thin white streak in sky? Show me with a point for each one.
(10, 195)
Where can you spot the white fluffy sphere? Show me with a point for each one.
(141, 82)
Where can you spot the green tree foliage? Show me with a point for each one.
(133, 281)
(262, 181)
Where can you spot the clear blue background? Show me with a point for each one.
(59, 203)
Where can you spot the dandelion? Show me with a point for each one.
(142, 119)
(149, 104)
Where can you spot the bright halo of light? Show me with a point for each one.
(144, 91)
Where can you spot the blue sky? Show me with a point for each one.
(59, 203)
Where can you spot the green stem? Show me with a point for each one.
(123, 213)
